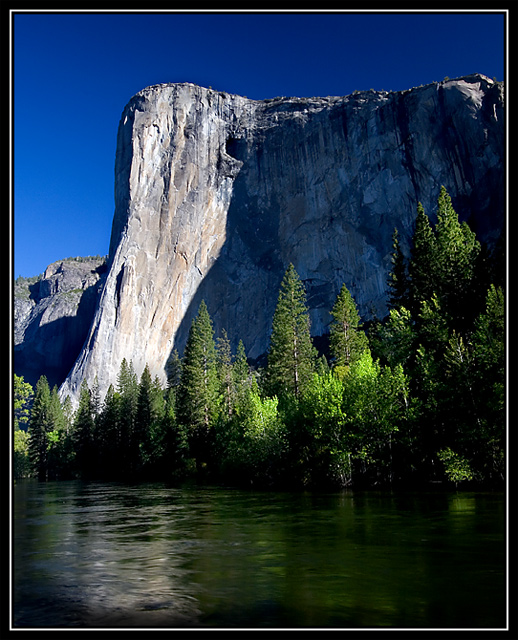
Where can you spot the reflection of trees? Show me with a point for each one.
(119, 555)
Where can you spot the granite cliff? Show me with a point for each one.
(216, 194)
(53, 314)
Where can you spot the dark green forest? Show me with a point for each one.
(415, 398)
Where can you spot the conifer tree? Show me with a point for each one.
(398, 277)
(241, 367)
(347, 340)
(40, 425)
(291, 357)
(175, 440)
(173, 369)
(422, 262)
(83, 432)
(127, 388)
(457, 250)
(197, 391)
(141, 439)
(109, 440)
(225, 374)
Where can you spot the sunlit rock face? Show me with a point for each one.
(216, 194)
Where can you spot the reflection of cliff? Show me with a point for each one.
(216, 194)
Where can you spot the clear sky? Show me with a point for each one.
(73, 73)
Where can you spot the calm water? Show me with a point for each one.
(112, 555)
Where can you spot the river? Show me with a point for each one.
(122, 556)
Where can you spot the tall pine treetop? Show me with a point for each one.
(347, 341)
(291, 357)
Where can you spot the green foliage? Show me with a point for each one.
(398, 277)
(423, 263)
(347, 341)
(84, 433)
(322, 439)
(21, 461)
(422, 399)
(23, 394)
(197, 389)
(291, 356)
(40, 425)
(395, 339)
(254, 441)
(456, 467)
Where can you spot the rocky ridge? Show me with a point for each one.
(216, 194)
(53, 314)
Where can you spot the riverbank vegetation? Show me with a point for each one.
(418, 397)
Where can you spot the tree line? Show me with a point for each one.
(417, 397)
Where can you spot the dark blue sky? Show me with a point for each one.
(74, 73)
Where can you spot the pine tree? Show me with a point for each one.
(40, 425)
(197, 391)
(241, 367)
(291, 357)
(109, 440)
(347, 340)
(398, 277)
(58, 445)
(141, 439)
(422, 265)
(173, 369)
(225, 374)
(456, 252)
(83, 432)
(175, 441)
(127, 388)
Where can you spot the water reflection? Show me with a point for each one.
(105, 555)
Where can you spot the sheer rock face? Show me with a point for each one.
(216, 194)
(53, 316)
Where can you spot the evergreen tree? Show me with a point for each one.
(241, 367)
(398, 277)
(225, 374)
(488, 342)
(457, 250)
(173, 369)
(291, 356)
(141, 437)
(422, 262)
(198, 386)
(347, 340)
(127, 388)
(40, 425)
(84, 433)
(109, 437)
(175, 459)
(58, 440)
(95, 398)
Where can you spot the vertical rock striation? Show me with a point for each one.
(216, 194)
